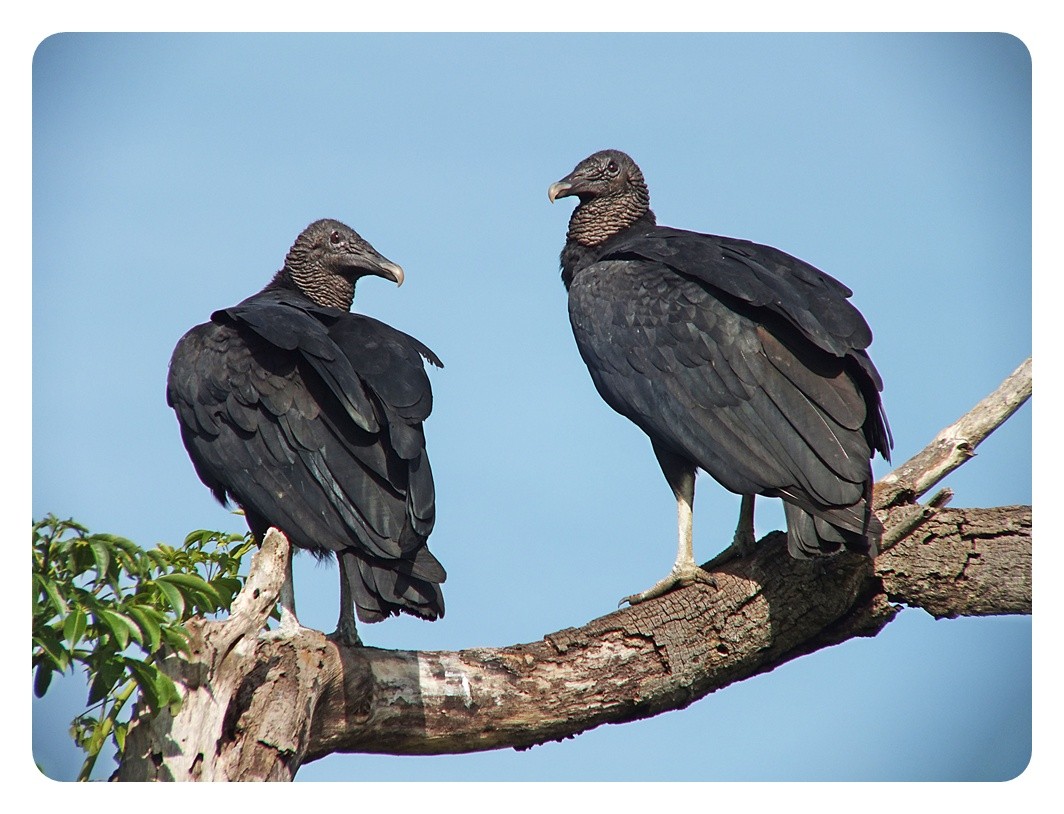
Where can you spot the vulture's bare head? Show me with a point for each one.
(606, 173)
(612, 193)
(329, 257)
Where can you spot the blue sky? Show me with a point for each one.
(172, 172)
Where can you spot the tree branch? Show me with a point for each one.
(660, 655)
(956, 443)
(231, 726)
(664, 655)
(975, 562)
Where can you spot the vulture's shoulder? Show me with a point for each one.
(389, 362)
(755, 276)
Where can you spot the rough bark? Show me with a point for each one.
(661, 655)
(971, 562)
(231, 726)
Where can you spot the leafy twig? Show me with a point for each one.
(102, 602)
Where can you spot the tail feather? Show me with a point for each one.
(810, 535)
(382, 588)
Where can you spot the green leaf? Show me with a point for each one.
(52, 591)
(81, 727)
(52, 646)
(42, 679)
(188, 581)
(74, 626)
(194, 588)
(227, 587)
(173, 596)
(100, 732)
(114, 540)
(149, 625)
(121, 626)
(146, 676)
(120, 736)
(168, 692)
(101, 555)
(105, 677)
(176, 638)
(96, 594)
(156, 558)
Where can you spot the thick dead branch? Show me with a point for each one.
(971, 562)
(956, 443)
(231, 726)
(660, 655)
(663, 655)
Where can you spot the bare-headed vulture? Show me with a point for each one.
(735, 358)
(310, 419)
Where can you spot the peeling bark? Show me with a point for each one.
(974, 562)
(257, 706)
(231, 726)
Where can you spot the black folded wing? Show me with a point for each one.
(310, 419)
(746, 361)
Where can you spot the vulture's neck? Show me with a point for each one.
(322, 288)
(592, 226)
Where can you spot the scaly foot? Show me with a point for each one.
(680, 576)
(345, 635)
(742, 545)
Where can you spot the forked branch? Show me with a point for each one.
(956, 443)
(281, 702)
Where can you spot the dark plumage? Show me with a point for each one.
(310, 418)
(733, 357)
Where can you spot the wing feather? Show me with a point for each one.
(311, 420)
(719, 387)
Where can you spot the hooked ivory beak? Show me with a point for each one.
(393, 271)
(558, 190)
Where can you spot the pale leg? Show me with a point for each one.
(681, 477)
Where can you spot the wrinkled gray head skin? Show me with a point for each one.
(612, 193)
(328, 258)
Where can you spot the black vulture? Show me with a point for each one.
(310, 419)
(735, 358)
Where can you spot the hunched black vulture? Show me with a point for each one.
(735, 358)
(310, 419)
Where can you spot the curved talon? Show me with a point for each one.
(675, 579)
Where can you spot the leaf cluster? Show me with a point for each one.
(102, 602)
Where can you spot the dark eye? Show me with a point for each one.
(612, 167)
(335, 238)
